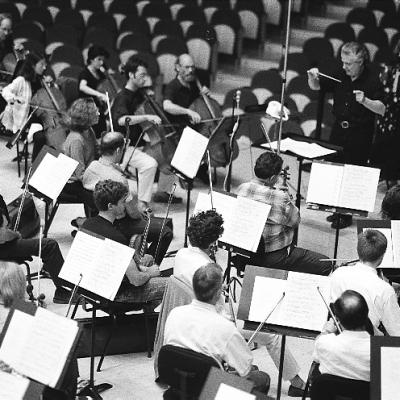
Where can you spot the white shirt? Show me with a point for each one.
(379, 295)
(346, 355)
(199, 327)
(187, 261)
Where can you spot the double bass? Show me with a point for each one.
(219, 145)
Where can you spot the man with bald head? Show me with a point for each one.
(346, 354)
(131, 222)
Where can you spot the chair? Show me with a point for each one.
(135, 41)
(38, 14)
(125, 7)
(184, 370)
(10, 8)
(177, 293)
(135, 24)
(63, 34)
(297, 64)
(72, 18)
(316, 49)
(28, 30)
(155, 12)
(211, 6)
(91, 5)
(98, 36)
(267, 79)
(374, 39)
(273, 9)
(163, 29)
(339, 33)
(67, 53)
(104, 21)
(60, 4)
(71, 72)
(329, 387)
(171, 45)
(360, 18)
(391, 24)
(189, 15)
(253, 19)
(166, 64)
(311, 109)
(175, 6)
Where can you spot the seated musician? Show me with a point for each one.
(126, 108)
(346, 354)
(199, 327)
(363, 278)
(179, 94)
(12, 289)
(13, 247)
(143, 282)
(276, 249)
(390, 207)
(203, 231)
(90, 79)
(81, 142)
(132, 222)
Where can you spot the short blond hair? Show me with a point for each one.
(12, 283)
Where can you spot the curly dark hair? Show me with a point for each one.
(108, 191)
(205, 228)
(268, 165)
(390, 207)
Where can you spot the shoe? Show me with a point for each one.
(332, 217)
(78, 222)
(163, 197)
(342, 222)
(296, 392)
(62, 296)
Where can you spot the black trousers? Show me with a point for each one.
(25, 248)
(129, 227)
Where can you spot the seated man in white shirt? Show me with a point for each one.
(363, 278)
(203, 231)
(199, 327)
(346, 354)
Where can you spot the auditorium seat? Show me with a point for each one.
(38, 14)
(72, 18)
(134, 24)
(28, 30)
(360, 18)
(339, 33)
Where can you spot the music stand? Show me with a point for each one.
(244, 309)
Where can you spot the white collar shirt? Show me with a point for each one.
(199, 327)
(346, 355)
(187, 261)
(379, 295)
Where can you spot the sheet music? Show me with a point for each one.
(266, 294)
(17, 335)
(245, 226)
(52, 174)
(12, 387)
(302, 306)
(325, 182)
(395, 224)
(244, 219)
(359, 187)
(189, 152)
(226, 392)
(50, 342)
(390, 373)
(303, 149)
(102, 263)
(388, 258)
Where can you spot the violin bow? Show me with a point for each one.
(210, 178)
(171, 195)
(109, 112)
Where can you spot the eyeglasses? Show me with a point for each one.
(142, 75)
(350, 63)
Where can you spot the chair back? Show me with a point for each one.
(330, 387)
(184, 370)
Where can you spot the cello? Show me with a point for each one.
(219, 145)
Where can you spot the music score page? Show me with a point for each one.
(52, 174)
(12, 387)
(102, 263)
(302, 306)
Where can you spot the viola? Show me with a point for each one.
(210, 113)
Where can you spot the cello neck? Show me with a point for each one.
(206, 99)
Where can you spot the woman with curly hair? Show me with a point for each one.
(203, 231)
(390, 207)
(80, 143)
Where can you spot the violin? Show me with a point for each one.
(110, 84)
(219, 144)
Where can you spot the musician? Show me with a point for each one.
(89, 80)
(390, 207)
(12, 290)
(80, 143)
(6, 40)
(125, 107)
(346, 354)
(143, 283)
(199, 327)
(203, 231)
(14, 247)
(276, 249)
(363, 278)
(356, 102)
(131, 222)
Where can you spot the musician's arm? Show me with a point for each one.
(174, 109)
(139, 278)
(376, 106)
(136, 119)
(10, 91)
(83, 87)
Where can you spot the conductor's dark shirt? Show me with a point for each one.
(345, 106)
(126, 103)
(182, 96)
